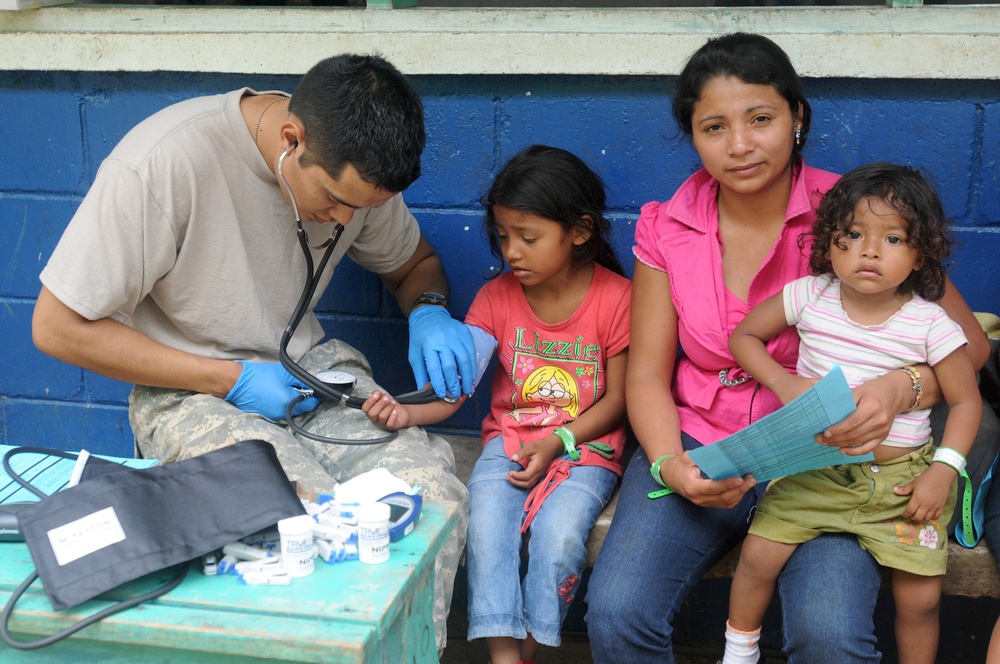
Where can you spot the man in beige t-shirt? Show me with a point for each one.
(181, 268)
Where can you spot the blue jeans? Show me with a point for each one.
(656, 551)
(500, 604)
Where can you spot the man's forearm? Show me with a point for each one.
(118, 351)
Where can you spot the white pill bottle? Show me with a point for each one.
(297, 553)
(373, 533)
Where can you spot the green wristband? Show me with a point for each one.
(568, 439)
(654, 470)
(968, 526)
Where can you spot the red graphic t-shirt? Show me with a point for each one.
(550, 373)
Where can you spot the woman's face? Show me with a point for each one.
(744, 134)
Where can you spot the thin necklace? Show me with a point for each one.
(269, 105)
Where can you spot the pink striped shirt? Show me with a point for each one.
(920, 332)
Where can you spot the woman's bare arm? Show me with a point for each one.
(652, 413)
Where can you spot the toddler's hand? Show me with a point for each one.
(385, 411)
(928, 493)
(539, 454)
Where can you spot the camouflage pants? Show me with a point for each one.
(171, 425)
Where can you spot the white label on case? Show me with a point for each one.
(85, 536)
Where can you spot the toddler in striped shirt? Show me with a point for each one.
(878, 246)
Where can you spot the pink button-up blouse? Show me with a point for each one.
(680, 237)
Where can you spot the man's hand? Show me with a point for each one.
(441, 352)
(266, 388)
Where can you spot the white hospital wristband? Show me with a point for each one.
(950, 457)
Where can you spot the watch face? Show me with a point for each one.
(339, 379)
(430, 297)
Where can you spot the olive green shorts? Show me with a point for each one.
(858, 498)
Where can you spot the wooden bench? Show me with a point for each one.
(971, 572)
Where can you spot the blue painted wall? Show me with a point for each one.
(57, 127)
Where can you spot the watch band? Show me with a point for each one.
(430, 297)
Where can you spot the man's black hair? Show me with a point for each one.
(360, 110)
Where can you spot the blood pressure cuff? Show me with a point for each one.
(118, 526)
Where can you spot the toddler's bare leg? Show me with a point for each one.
(761, 561)
(993, 654)
(918, 600)
(529, 648)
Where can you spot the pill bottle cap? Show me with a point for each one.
(373, 512)
(294, 525)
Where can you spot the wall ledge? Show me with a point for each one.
(930, 42)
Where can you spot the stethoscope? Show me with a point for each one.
(329, 385)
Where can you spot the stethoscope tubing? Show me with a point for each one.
(319, 388)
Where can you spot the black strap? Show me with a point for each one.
(179, 575)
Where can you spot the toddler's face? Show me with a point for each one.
(873, 257)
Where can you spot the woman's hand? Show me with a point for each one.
(539, 454)
(865, 429)
(684, 477)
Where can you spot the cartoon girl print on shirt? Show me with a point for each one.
(547, 390)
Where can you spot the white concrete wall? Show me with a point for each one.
(933, 42)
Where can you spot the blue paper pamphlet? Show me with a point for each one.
(782, 443)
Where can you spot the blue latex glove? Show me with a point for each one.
(485, 344)
(266, 388)
(441, 352)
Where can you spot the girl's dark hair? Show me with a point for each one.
(554, 184)
(912, 197)
(753, 59)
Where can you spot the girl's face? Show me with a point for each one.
(536, 249)
(873, 256)
(744, 134)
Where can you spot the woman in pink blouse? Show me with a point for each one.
(727, 240)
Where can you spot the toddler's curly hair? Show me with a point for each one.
(912, 197)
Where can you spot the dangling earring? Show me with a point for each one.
(798, 136)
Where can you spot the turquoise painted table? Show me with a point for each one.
(344, 613)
